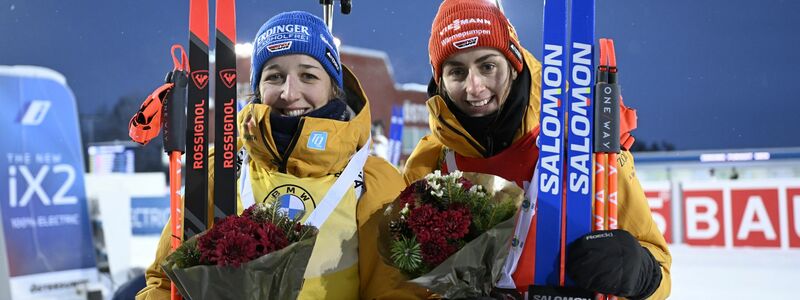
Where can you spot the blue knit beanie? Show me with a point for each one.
(295, 32)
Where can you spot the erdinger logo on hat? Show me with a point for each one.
(287, 32)
(279, 38)
(470, 42)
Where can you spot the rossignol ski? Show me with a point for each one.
(225, 111)
(196, 194)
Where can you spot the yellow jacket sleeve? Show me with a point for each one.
(635, 217)
(424, 159)
(158, 285)
(378, 279)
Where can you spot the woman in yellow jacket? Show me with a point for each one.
(306, 137)
(484, 117)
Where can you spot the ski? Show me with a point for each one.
(196, 217)
(579, 150)
(225, 110)
(551, 145)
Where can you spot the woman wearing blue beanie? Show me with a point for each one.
(306, 137)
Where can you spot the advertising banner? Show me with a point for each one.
(45, 222)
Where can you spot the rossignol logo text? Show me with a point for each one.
(457, 23)
(198, 135)
(228, 143)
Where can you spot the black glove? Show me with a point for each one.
(613, 262)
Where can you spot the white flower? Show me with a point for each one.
(405, 210)
(457, 174)
(437, 193)
(434, 185)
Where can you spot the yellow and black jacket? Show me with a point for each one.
(382, 183)
(447, 133)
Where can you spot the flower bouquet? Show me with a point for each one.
(261, 254)
(451, 233)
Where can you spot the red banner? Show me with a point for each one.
(703, 217)
(793, 199)
(755, 216)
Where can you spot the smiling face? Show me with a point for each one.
(294, 85)
(477, 80)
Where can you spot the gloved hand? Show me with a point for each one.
(613, 262)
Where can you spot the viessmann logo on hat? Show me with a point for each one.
(457, 23)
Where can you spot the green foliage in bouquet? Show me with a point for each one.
(438, 215)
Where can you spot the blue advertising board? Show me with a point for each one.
(149, 215)
(45, 221)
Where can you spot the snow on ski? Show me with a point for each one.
(225, 110)
(196, 195)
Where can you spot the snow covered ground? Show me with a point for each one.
(717, 273)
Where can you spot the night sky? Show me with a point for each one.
(702, 74)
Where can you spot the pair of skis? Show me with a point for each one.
(197, 206)
(198, 216)
(574, 128)
(185, 122)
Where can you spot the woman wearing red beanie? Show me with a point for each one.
(484, 117)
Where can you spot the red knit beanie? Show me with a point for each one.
(467, 24)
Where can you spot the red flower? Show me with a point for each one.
(238, 239)
(465, 183)
(435, 251)
(235, 249)
(425, 221)
(411, 193)
(456, 222)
